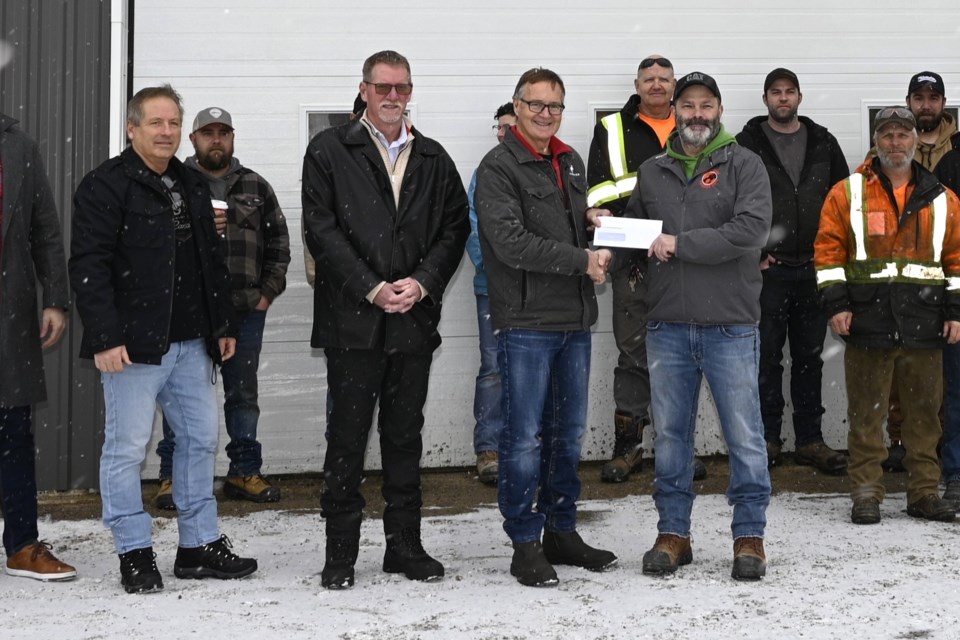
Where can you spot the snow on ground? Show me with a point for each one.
(826, 578)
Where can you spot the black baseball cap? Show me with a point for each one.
(695, 78)
(780, 74)
(927, 79)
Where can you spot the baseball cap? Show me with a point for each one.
(695, 78)
(894, 115)
(780, 74)
(927, 79)
(212, 115)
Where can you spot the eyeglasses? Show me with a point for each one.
(383, 88)
(646, 63)
(497, 128)
(555, 108)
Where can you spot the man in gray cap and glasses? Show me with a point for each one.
(255, 243)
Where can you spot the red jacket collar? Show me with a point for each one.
(557, 146)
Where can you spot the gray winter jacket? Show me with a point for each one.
(32, 252)
(721, 218)
(533, 238)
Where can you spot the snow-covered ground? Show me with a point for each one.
(826, 578)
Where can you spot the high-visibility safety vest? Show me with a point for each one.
(863, 269)
(623, 181)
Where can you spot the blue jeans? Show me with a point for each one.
(486, 397)
(240, 409)
(182, 384)
(950, 451)
(18, 479)
(679, 356)
(545, 381)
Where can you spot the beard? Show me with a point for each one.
(695, 139)
(928, 121)
(784, 119)
(888, 162)
(215, 160)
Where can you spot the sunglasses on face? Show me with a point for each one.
(383, 88)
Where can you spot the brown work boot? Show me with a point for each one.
(164, 498)
(749, 560)
(254, 488)
(932, 507)
(819, 455)
(865, 511)
(668, 553)
(627, 452)
(488, 467)
(37, 562)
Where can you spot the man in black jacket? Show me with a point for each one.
(31, 250)
(386, 221)
(803, 160)
(153, 294)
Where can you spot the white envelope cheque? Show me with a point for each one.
(629, 233)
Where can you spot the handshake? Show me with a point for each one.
(598, 262)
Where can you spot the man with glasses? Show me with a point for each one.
(621, 142)
(386, 221)
(531, 204)
(803, 161)
(486, 397)
(255, 242)
(153, 293)
(888, 266)
(703, 290)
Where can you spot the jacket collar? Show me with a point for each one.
(520, 148)
(355, 134)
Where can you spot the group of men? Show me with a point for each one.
(175, 264)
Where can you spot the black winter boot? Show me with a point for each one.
(338, 568)
(530, 566)
(405, 554)
(569, 548)
(138, 571)
(627, 452)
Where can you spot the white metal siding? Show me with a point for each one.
(261, 61)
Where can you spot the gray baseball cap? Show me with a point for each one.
(212, 115)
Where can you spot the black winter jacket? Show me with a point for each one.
(122, 258)
(533, 237)
(359, 238)
(640, 142)
(796, 209)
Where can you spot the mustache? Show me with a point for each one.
(703, 122)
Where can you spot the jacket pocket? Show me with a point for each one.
(247, 211)
(144, 229)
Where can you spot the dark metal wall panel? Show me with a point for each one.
(57, 86)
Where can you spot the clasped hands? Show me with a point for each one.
(399, 296)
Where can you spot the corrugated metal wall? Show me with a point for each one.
(57, 85)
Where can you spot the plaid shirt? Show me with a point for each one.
(256, 244)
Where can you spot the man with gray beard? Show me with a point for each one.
(703, 290)
(888, 267)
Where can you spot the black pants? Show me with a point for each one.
(356, 380)
(18, 481)
(790, 306)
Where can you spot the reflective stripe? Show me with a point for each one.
(922, 272)
(856, 183)
(953, 284)
(615, 146)
(609, 191)
(917, 270)
(836, 274)
(939, 225)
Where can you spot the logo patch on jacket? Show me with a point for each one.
(709, 179)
